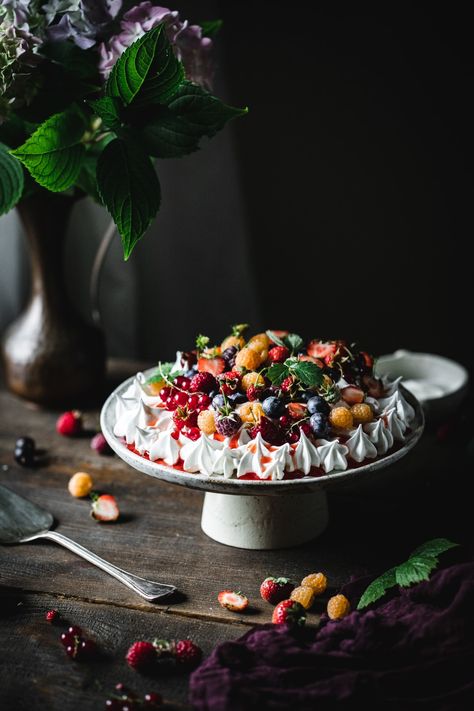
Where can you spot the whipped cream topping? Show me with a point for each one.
(360, 447)
(199, 455)
(164, 447)
(280, 460)
(130, 414)
(379, 435)
(333, 455)
(305, 455)
(254, 457)
(225, 461)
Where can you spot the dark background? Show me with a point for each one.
(356, 167)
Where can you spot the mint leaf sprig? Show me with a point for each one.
(292, 341)
(420, 564)
(163, 373)
(306, 372)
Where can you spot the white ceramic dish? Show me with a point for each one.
(259, 514)
(439, 384)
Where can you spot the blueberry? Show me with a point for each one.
(317, 404)
(305, 396)
(319, 424)
(273, 407)
(23, 457)
(218, 401)
(237, 398)
(26, 444)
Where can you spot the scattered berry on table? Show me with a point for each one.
(252, 378)
(99, 444)
(248, 358)
(152, 699)
(25, 458)
(214, 366)
(273, 407)
(317, 404)
(338, 607)
(105, 508)
(274, 590)
(352, 395)
(233, 601)
(87, 649)
(318, 424)
(27, 444)
(52, 615)
(228, 425)
(141, 655)
(69, 423)
(362, 413)
(290, 612)
(207, 422)
(278, 354)
(187, 653)
(341, 418)
(203, 383)
(251, 412)
(317, 581)
(80, 484)
(78, 647)
(304, 595)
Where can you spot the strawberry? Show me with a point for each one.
(69, 423)
(274, 590)
(105, 508)
(279, 334)
(187, 653)
(278, 354)
(234, 601)
(297, 410)
(229, 382)
(321, 349)
(215, 366)
(141, 655)
(312, 359)
(352, 395)
(289, 612)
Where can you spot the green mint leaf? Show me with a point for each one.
(129, 188)
(273, 337)
(201, 342)
(415, 569)
(11, 180)
(164, 373)
(210, 28)
(239, 328)
(294, 342)
(147, 72)
(434, 547)
(108, 109)
(309, 373)
(53, 154)
(377, 588)
(277, 373)
(190, 114)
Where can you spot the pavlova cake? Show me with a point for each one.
(270, 408)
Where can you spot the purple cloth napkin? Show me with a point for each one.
(413, 651)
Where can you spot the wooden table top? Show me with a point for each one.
(158, 536)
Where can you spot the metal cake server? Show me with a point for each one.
(22, 521)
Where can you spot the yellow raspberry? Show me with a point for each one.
(260, 342)
(247, 358)
(237, 341)
(155, 386)
(254, 379)
(304, 595)
(80, 484)
(317, 581)
(338, 607)
(341, 418)
(362, 413)
(207, 422)
(250, 412)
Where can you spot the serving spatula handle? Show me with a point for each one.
(146, 588)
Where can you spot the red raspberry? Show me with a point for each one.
(289, 611)
(287, 384)
(254, 393)
(202, 383)
(187, 653)
(69, 423)
(270, 432)
(141, 655)
(278, 354)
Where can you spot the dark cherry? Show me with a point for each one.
(25, 443)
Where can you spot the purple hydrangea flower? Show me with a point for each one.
(80, 20)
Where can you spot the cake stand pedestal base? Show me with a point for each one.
(264, 522)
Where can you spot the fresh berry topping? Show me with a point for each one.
(287, 384)
(141, 655)
(338, 607)
(203, 401)
(373, 386)
(27, 444)
(184, 417)
(69, 423)
(297, 410)
(182, 382)
(273, 407)
(248, 358)
(105, 508)
(289, 611)
(203, 383)
(52, 615)
(207, 422)
(254, 393)
(278, 354)
(214, 366)
(306, 428)
(165, 393)
(228, 354)
(228, 425)
(251, 412)
(304, 595)
(252, 378)
(187, 653)
(285, 421)
(317, 404)
(317, 581)
(192, 433)
(233, 601)
(362, 413)
(218, 401)
(341, 418)
(352, 395)
(319, 425)
(80, 484)
(274, 590)
(181, 398)
(270, 432)
(229, 382)
(321, 349)
(99, 444)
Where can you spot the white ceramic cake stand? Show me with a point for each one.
(260, 514)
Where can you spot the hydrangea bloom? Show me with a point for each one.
(79, 20)
(191, 47)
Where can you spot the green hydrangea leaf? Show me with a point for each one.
(108, 108)
(129, 188)
(377, 588)
(415, 569)
(434, 547)
(147, 72)
(53, 154)
(11, 180)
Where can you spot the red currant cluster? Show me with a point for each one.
(187, 397)
(124, 699)
(78, 647)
